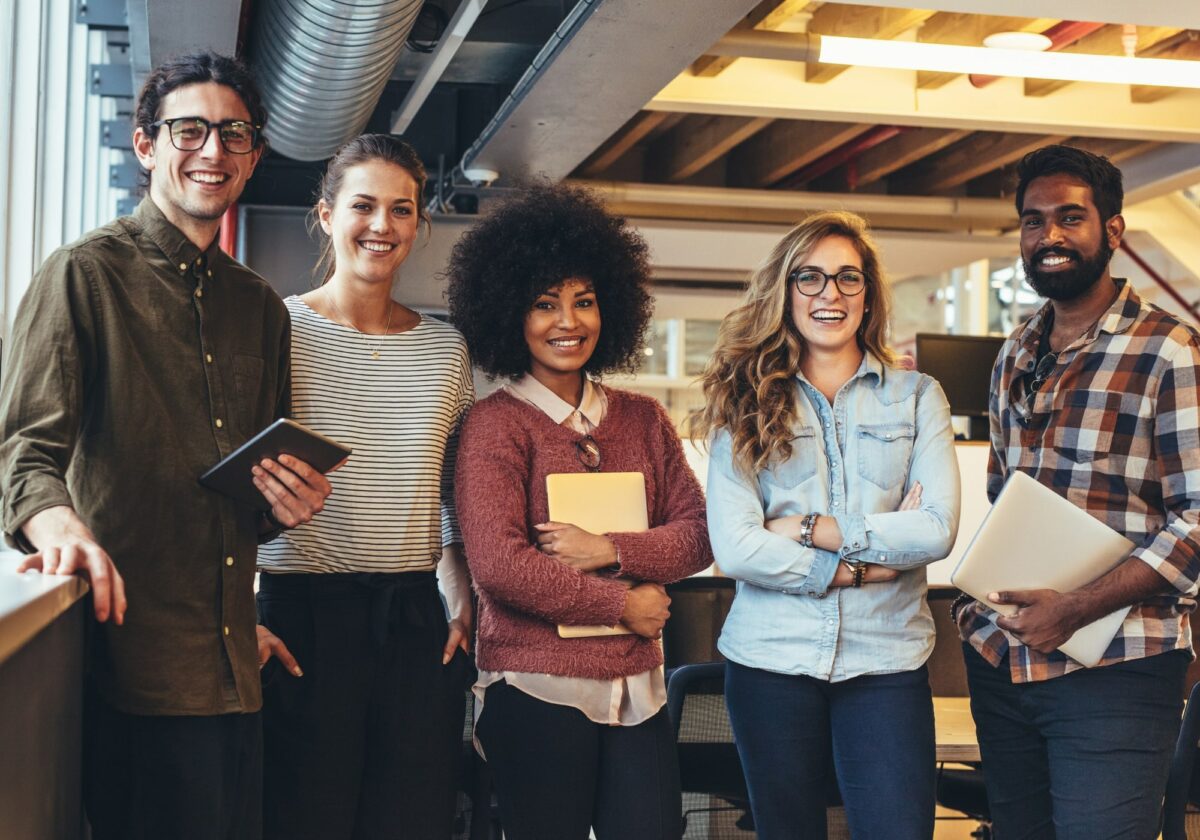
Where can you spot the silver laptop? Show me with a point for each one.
(1033, 538)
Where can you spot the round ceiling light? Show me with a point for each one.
(1031, 41)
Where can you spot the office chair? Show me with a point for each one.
(1183, 783)
(708, 760)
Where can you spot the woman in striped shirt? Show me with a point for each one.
(361, 740)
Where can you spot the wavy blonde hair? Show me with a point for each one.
(748, 387)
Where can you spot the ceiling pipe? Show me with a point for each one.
(322, 66)
(456, 32)
(1062, 34)
(844, 153)
(1162, 282)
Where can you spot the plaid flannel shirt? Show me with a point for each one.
(1115, 429)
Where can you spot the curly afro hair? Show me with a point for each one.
(531, 243)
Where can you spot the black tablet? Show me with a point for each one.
(283, 437)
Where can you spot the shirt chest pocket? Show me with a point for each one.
(884, 453)
(1095, 426)
(800, 467)
(247, 389)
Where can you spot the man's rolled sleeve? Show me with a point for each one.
(42, 394)
(1174, 551)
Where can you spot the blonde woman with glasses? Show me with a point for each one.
(832, 483)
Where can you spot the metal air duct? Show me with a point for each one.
(322, 65)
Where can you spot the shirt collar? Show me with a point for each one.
(1118, 318)
(868, 367)
(177, 248)
(558, 409)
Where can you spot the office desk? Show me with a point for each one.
(955, 729)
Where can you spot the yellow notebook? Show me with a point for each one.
(601, 503)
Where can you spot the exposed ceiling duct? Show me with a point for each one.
(322, 65)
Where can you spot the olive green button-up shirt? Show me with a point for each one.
(137, 362)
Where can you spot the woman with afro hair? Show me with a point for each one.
(549, 291)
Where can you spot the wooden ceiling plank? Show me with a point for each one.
(1115, 150)
(967, 30)
(769, 14)
(859, 22)
(1106, 41)
(629, 136)
(785, 147)
(904, 150)
(970, 158)
(689, 148)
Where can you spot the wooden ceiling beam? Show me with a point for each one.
(859, 22)
(698, 142)
(965, 30)
(785, 147)
(1106, 41)
(632, 133)
(769, 14)
(1184, 45)
(903, 151)
(967, 159)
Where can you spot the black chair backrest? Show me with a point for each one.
(1183, 783)
(698, 609)
(708, 759)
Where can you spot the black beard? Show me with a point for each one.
(1069, 284)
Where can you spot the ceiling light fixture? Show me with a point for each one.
(1031, 41)
(946, 58)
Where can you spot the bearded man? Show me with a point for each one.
(1095, 396)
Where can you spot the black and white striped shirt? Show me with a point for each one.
(392, 506)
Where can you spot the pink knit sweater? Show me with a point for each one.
(506, 450)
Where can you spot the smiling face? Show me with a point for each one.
(372, 222)
(194, 189)
(561, 330)
(1065, 247)
(829, 322)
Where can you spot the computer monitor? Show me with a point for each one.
(963, 365)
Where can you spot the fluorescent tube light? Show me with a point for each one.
(987, 61)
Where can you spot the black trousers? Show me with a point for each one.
(366, 745)
(187, 778)
(557, 774)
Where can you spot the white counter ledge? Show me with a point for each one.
(29, 602)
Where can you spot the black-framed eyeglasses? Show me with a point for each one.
(189, 134)
(810, 282)
(1041, 373)
(588, 452)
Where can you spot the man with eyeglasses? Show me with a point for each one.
(1096, 397)
(143, 355)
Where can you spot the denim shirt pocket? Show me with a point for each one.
(884, 453)
(800, 467)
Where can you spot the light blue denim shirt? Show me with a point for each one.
(854, 461)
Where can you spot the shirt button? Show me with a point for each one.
(830, 621)
(219, 424)
(183, 266)
(199, 293)
(835, 504)
(228, 561)
(226, 629)
(209, 272)
(208, 358)
(198, 261)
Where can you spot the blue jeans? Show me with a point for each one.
(876, 732)
(1084, 755)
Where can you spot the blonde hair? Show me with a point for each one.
(748, 387)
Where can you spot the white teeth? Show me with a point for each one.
(1055, 260)
(208, 177)
(566, 342)
(378, 247)
(829, 316)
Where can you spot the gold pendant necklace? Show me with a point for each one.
(366, 337)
